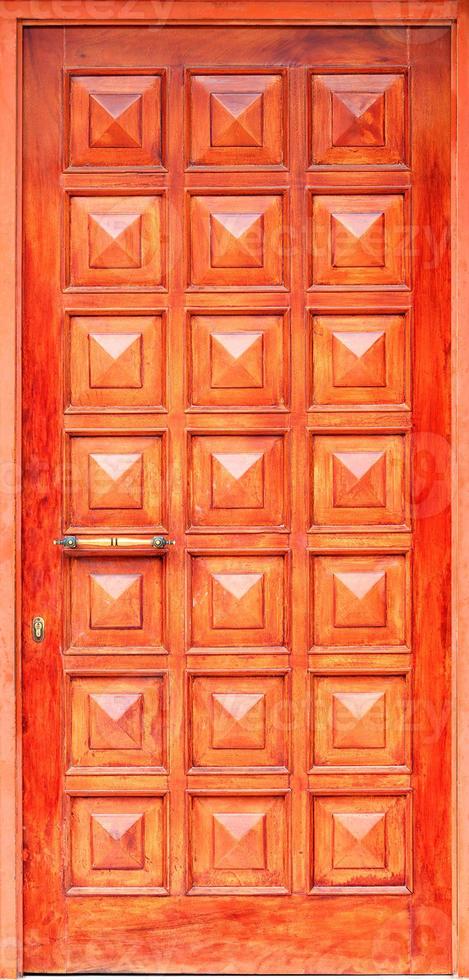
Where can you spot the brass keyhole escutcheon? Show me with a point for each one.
(38, 628)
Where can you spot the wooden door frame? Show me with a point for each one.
(14, 15)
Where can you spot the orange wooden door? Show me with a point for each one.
(236, 292)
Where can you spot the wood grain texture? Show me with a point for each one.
(460, 491)
(227, 795)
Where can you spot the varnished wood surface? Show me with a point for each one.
(238, 531)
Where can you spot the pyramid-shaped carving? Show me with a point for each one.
(236, 240)
(359, 479)
(239, 841)
(115, 240)
(359, 840)
(115, 601)
(359, 719)
(115, 360)
(115, 480)
(117, 841)
(358, 239)
(238, 720)
(237, 600)
(115, 119)
(236, 119)
(237, 360)
(360, 599)
(237, 480)
(115, 721)
(359, 358)
(358, 119)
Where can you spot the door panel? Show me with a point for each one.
(236, 335)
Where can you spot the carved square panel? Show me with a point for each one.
(118, 844)
(361, 841)
(358, 119)
(359, 360)
(360, 480)
(237, 240)
(116, 361)
(360, 601)
(359, 240)
(116, 481)
(238, 481)
(115, 121)
(360, 721)
(239, 844)
(239, 360)
(238, 721)
(238, 601)
(117, 722)
(117, 603)
(117, 242)
(236, 119)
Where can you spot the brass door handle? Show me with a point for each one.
(73, 542)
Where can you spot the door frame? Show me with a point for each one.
(14, 16)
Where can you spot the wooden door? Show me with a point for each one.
(236, 293)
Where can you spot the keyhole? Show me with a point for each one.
(38, 629)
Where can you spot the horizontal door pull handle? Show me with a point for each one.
(73, 542)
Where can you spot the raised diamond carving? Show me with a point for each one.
(236, 240)
(358, 119)
(115, 601)
(359, 479)
(115, 119)
(236, 119)
(359, 719)
(237, 601)
(115, 480)
(357, 239)
(360, 599)
(115, 241)
(115, 360)
(239, 840)
(237, 480)
(359, 840)
(238, 721)
(117, 840)
(359, 358)
(237, 360)
(115, 721)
